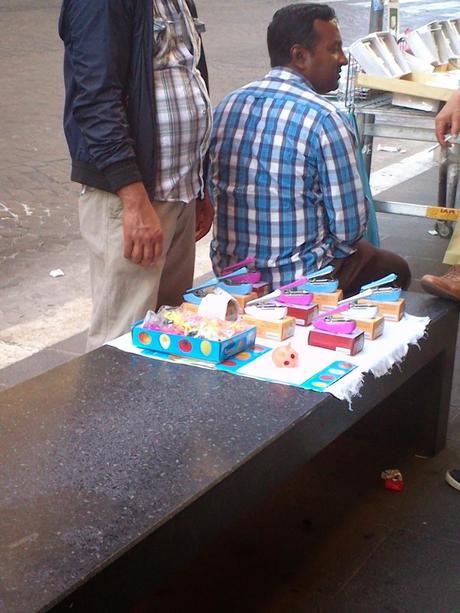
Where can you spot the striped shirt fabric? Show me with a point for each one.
(284, 179)
(182, 105)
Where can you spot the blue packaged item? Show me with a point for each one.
(320, 282)
(382, 291)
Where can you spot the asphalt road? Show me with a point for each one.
(38, 214)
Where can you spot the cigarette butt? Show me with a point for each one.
(447, 138)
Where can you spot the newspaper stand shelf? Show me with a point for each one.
(377, 117)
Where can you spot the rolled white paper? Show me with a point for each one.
(219, 304)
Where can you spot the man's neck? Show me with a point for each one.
(292, 68)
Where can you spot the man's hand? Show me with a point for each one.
(204, 216)
(142, 233)
(448, 119)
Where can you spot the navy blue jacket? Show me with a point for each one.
(109, 115)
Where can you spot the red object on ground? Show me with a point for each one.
(396, 486)
(393, 479)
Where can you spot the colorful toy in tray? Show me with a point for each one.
(177, 320)
(178, 331)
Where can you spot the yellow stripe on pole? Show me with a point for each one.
(439, 212)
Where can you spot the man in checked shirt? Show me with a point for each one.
(137, 120)
(284, 177)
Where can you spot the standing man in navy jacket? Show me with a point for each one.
(137, 120)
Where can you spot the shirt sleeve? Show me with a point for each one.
(344, 202)
(100, 39)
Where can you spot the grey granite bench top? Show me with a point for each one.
(97, 454)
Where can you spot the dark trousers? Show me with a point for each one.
(368, 264)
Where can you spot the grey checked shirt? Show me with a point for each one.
(182, 104)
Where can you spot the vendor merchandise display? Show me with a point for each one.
(355, 327)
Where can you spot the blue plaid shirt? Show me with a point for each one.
(284, 179)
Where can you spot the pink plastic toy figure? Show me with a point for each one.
(285, 356)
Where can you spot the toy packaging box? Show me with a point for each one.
(351, 344)
(278, 330)
(182, 332)
(393, 311)
(243, 299)
(303, 315)
(192, 347)
(328, 299)
(372, 328)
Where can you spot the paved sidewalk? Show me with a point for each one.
(332, 539)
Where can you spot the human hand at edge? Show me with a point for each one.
(142, 233)
(448, 119)
(204, 216)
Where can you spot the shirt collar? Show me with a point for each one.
(287, 74)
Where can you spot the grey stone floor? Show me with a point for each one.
(333, 539)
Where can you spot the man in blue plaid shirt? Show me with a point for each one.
(284, 177)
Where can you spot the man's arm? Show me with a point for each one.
(142, 233)
(101, 33)
(448, 119)
(100, 41)
(343, 195)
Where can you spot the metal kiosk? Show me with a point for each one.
(376, 116)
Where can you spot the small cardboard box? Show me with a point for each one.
(328, 300)
(351, 344)
(372, 328)
(302, 314)
(278, 330)
(192, 347)
(261, 288)
(243, 299)
(393, 311)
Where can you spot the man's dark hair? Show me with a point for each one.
(293, 24)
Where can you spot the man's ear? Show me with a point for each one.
(300, 57)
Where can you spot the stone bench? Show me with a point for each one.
(116, 469)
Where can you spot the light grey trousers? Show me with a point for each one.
(122, 292)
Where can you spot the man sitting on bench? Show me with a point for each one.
(284, 176)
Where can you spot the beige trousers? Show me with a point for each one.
(122, 292)
(452, 255)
